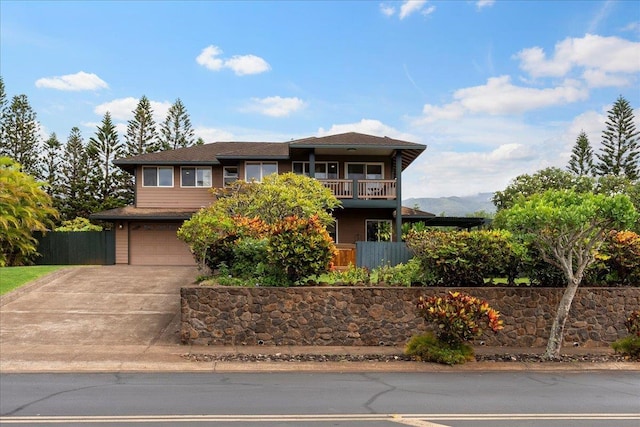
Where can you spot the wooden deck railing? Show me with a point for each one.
(362, 189)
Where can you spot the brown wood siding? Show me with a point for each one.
(176, 196)
(122, 242)
(351, 222)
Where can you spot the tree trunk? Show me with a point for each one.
(557, 329)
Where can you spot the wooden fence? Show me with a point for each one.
(76, 248)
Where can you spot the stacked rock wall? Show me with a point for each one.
(349, 316)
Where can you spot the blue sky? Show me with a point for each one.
(493, 88)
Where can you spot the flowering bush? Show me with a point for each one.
(459, 317)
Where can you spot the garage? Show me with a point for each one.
(156, 243)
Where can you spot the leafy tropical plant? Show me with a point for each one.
(24, 208)
(459, 317)
(630, 345)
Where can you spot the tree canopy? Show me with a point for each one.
(24, 208)
(567, 227)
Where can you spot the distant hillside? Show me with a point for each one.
(453, 206)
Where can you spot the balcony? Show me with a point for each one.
(362, 189)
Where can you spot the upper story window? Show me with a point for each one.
(229, 175)
(157, 176)
(258, 170)
(324, 170)
(364, 171)
(195, 177)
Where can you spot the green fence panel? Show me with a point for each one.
(76, 248)
(375, 254)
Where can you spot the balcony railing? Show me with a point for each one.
(362, 189)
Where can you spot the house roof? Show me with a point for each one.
(208, 154)
(131, 212)
(218, 152)
(364, 144)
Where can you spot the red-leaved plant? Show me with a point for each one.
(459, 317)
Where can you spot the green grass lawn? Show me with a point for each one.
(14, 277)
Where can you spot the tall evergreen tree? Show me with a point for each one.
(106, 180)
(141, 136)
(51, 164)
(620, 153)
(3, 112)
(581, 161)
(74, 198)
(176, 130)
(20, 137)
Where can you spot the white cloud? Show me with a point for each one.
(600, 78)
(123, 108)
(370, 127)
(212, 134)
(387, 10)
(207, 58)
(409, 7)
(499, 96)
(247, 64)
(240, 64)
(275, 106)
(480, 4)
(73, 82)
(606, 54)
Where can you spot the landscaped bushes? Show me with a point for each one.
(471, 258)
(466, 258)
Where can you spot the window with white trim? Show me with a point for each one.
(157, 176)
(324, 170)
(256, 171)
(229, 175)
(379, 230)
(195, 177)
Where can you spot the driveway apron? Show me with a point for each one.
(98, 305)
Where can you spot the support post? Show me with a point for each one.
(399, 196)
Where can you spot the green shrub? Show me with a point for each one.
(351, 276)
(465, 258)
(399, 275)
(459, 317)
(428, 348)
(78, 224)
(617, 260)
(628, 346)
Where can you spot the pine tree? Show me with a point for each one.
(74, 198)
(620, 153)
(176, 131)
(20, 137)
(581, 161)
(51, 164)
(141, 136)
(106, 180)
(3, 112)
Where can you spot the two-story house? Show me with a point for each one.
(363, 171)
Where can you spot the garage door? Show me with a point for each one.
(157, 244)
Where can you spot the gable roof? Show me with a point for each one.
(214, 153)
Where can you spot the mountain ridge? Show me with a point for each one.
(453, 205)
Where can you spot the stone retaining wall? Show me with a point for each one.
(387, 316)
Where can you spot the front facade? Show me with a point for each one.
(364, 172)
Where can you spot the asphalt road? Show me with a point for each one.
(601, 398)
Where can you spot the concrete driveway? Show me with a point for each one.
(107, 307)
